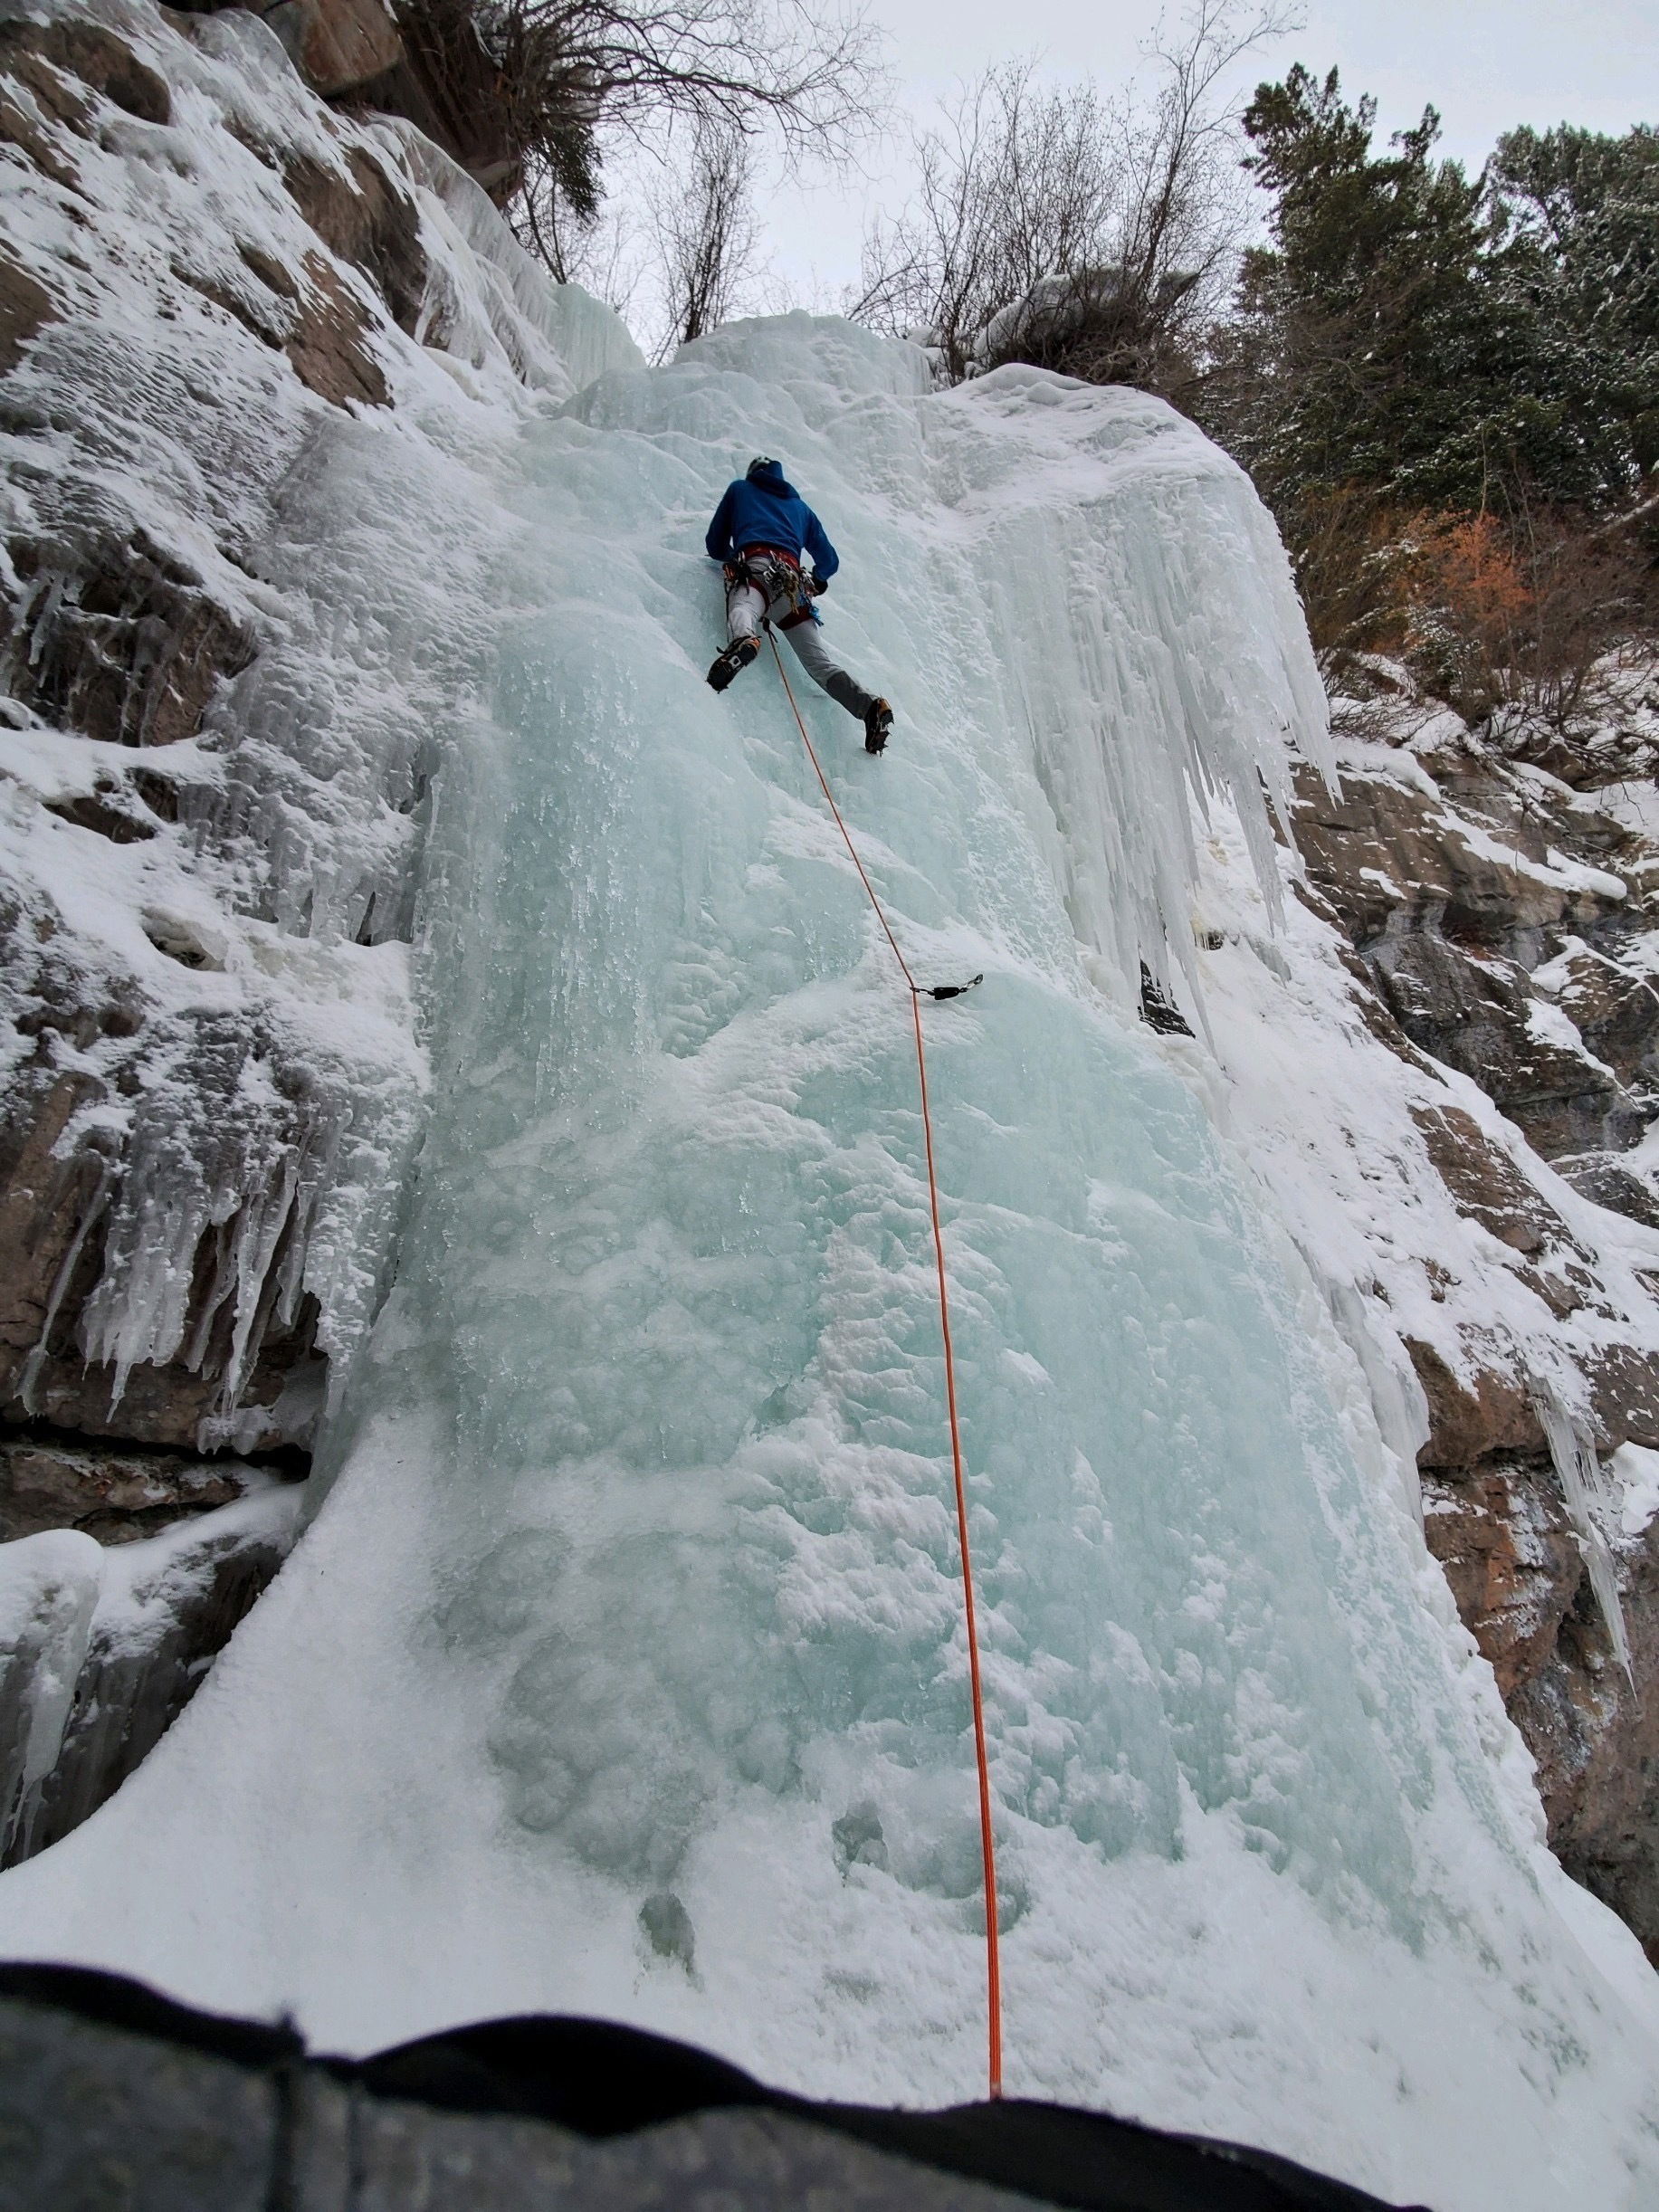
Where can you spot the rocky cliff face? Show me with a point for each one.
(239, 335)
(1470, 1170)
(1507, 927)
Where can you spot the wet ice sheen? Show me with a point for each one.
(623, 1670)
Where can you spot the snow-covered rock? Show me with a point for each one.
(255, 352)
(1469, 963)
(276, 345)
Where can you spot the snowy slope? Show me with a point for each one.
(622, 1668)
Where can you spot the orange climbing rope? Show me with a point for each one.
(987, 1847)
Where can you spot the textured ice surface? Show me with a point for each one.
(622, 1670)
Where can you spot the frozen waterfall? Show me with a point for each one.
(622, 1670)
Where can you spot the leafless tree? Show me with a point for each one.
(567, 75)
(1184, 212)
(611, 256)
(1054, 226)
(544, 217)
(1019, 184)
(705, 233)
(806, 70)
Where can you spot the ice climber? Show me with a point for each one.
(760, 531)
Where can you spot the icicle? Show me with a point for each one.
(48, 1591)
(258, 1238)
(89, 1221)
(1584, 1489)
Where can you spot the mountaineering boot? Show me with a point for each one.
(737, 655)
(878, 721)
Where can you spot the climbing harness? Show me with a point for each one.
(774, 575)
(987, 1847)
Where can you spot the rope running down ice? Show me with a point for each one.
(993, 1965)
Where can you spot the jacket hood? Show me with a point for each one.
(773, 480)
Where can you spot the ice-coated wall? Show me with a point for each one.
(248, 443)
(622, 1670)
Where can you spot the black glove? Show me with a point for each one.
(815, 585)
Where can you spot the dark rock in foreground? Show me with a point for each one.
(111, 2094)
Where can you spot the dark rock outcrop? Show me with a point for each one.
(247, 1126)
(52, 60)
(1457, 899)
(337, 45)
(367, 222)
(131, 1684)
(118, 1494)
(97, 1660)
(116, 638)
(1510, 1557)
(450, 88)
(1517, 1569)
(427, 64)
(113, 2094)
(25, 308)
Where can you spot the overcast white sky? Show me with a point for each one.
(1486, 64)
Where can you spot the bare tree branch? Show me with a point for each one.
(566, 75)
(1050, 225)
(810, 74)
(705, 233)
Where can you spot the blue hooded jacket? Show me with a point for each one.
(765, 510)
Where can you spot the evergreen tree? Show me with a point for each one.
(1581, 212)
(1417, 355)
(1378, 348)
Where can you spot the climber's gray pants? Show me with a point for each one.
(744, 605)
